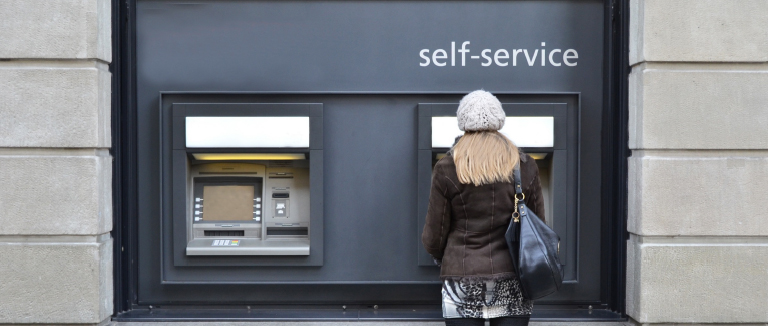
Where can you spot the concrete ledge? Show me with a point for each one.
(52, 29)
(698, 30)
(56, 282)
(698, 193)
(55, 194)
(55, 104)
(697, 282)
(698, 106)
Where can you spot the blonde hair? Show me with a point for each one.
(484, 157)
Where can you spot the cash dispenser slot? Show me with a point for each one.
(212, 233)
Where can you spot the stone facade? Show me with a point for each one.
(697, 130)
(55, 167)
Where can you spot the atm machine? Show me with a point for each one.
(241, 178)
(254, 207)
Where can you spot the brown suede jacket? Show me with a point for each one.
(466, 224)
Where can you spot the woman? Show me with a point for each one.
(470, 207)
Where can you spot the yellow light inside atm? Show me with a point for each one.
(248, 156)
(538, 156)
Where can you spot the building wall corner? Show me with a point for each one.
(697, 117)
(56, 200)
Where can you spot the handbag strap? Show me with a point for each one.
(520, 208)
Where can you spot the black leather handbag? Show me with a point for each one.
(534, 248)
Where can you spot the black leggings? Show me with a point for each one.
(501, 321)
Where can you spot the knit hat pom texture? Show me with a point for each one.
(480, 110)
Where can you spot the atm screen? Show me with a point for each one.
(228, 203)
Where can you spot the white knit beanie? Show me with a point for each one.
(480, 110)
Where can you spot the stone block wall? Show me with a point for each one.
(698, 131)
(55, 167)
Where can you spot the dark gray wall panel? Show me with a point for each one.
(361, 61)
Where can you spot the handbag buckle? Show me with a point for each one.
(516, 214)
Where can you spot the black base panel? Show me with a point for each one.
(367, 313)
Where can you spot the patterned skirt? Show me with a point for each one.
(468, 298)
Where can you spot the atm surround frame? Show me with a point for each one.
(174, 167)
(125, 192)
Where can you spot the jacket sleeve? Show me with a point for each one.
(438, 222)
(534, 198)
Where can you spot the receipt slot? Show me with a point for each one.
(242, 178)
(542, 130)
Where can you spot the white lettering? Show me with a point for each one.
(426, 58)
(497, 56)
(435, 56)
(453, 51)
(566, 57)
(530, 60)
(486, 57)
(515, 52)
(463, 51)
(551, 61)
